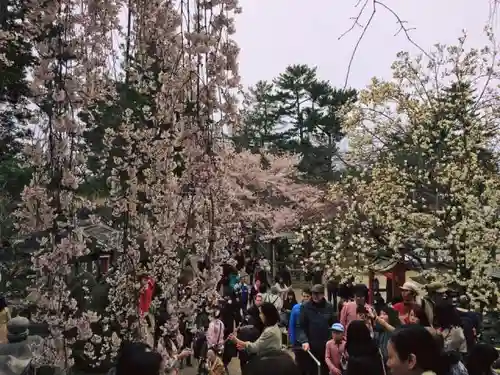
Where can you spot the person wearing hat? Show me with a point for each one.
(409, 292)
(436, 292)
(316, 317)
(335, 349)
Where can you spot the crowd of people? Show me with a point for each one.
(342, 333)
(334, 330)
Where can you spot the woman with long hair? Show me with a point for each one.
(449, 325)
(418, 316)
(385, 324)
(450, 362)
(282, 288)
(363, 355)
(288, 304)
(270, 338)
(215, 333)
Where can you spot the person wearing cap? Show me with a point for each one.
(335, 349)
(409, 292)
(316, 317)
(436, 292)
(349, 311)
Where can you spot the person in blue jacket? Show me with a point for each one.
(295, 317)
(301, 357)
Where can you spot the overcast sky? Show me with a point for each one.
(275, 33)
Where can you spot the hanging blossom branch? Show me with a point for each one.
(165, 181)
(68, 40)
(170, 179)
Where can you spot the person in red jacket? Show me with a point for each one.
(335, 349)
(409, 292)
(146, 294)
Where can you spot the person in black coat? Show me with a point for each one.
(248, 333)
(316, 317)
(363, 354)
(276, 362)
(250, 269)
(286, 275)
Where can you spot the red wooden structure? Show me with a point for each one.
(395, 273)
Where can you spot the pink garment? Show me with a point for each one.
(333, 354)
(215, 333)
(348, 313)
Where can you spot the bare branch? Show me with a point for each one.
(365, 28)
(356, 19)
(493, 13)
(400, 22)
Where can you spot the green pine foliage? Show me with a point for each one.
(299, 113)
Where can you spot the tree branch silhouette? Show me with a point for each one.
(375, 5)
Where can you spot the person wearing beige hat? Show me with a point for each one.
(409, 292)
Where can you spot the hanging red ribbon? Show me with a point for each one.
(146, 296)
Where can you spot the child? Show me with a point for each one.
(335, 349)
(214, 363)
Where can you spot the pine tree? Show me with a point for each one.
(293, 89)
(323, 121)
(260, 118)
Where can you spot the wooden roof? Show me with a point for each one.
(383, 264)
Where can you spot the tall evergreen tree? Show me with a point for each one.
(293, 89)
(323, 123)
(261, 116)
(297, 113)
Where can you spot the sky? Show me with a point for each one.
(275, 33)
